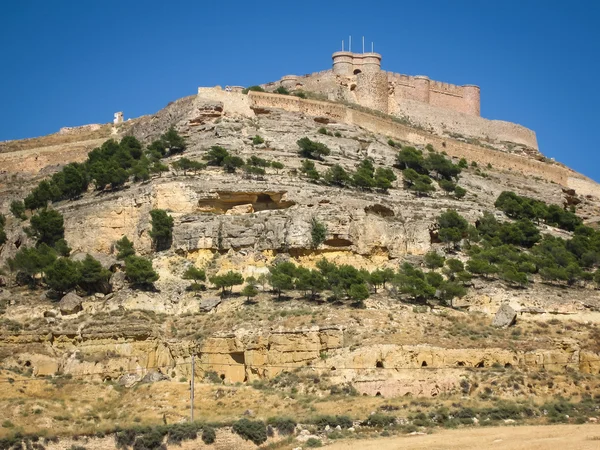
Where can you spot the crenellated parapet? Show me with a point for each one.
(348, 63)
(358, 78)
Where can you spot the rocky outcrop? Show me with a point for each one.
(70, 304)
(505, 317)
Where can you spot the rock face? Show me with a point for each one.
(505, 317)
(118, 281)
(70, 304)
(208, 304)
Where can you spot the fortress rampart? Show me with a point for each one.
(442, 108)
(455, 148)
(357, 77)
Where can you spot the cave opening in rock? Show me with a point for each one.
(357, 71)
(378, 394)
(424, 364)
(460, 364)
(222, 376)
(480, 364)
(508, 366)
(255, 201)
(338, 242)
(379, 365)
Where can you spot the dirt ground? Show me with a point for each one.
(572, 437)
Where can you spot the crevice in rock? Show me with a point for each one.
(252, 201)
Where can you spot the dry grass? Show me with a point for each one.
(55, 139)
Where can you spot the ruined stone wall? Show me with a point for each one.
(445, 122)
(481, 155)
(291, 103)
(501, 160)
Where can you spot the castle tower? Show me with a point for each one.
(348, 63)
(370, 62)
(289, 81)
(343, 63)
(472, 98)
(421, 84)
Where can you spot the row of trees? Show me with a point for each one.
(111, 164)
(347, 283)
(419, 171)
(366, 177)
(220, 157)
(48, 262)
(514, 251)
(519, 207)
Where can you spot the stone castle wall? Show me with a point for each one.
(445, 122)
(455, 148)
(462, 99)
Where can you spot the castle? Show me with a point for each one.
(358, 78)
(438, 107)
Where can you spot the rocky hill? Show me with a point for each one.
(505, 321)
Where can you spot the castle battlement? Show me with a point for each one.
(358, 78)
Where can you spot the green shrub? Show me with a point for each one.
(452, 227)
(63, 275)
(180, 432)
(257, 140)
(92, 276)
(253, 88)
(17, 208)
(125, 248)
(311, 149)
(379, 420)
(459, 192)
(227, 280)
(47, 227)
(318, 232)
(281, 90)
(162, 229)
(277, 165)
(433, 260)
(313, 443)
(125, 438)
(140, 273)
(251, 430)
(284, 425)
(208, 435)
(333, 421)
(193, 273)
(337, 176)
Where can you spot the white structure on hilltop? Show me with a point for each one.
(118, 118)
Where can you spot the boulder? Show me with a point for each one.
(153, 377)
(505, 317)
(70, 304)
(208, 304)
(118, 281)
(240, 209)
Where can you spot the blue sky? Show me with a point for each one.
(68, 63)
